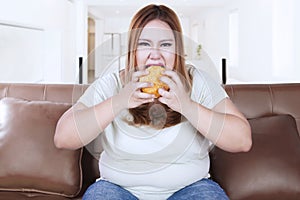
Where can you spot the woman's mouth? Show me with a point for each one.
(158, 64)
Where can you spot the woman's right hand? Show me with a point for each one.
(131, 95)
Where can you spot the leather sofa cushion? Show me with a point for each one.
(5, 195)
(29, 160)
(270, 170)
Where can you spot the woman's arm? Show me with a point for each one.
(80, 124)
(224, 125)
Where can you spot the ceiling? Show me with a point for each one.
(127, 8)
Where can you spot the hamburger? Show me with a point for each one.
(153, 77)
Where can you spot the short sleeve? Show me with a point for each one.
(100, 90)
(206, 90)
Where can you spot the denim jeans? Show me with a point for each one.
(204, 189)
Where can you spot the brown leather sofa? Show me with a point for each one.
(32, 168)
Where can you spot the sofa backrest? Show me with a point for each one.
(62, 93)
(259, 100)
(253, 100)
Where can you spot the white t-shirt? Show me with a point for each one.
(151, 163)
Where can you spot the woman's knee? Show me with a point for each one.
(202, 189)
(107, 191)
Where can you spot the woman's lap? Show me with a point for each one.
(202, 189)
(107, 191)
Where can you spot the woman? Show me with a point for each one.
(143, 159)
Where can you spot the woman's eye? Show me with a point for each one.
(166, 44)
(143, 44)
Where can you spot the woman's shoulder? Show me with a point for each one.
(107, 85)
(197, 74)
(205, 89)
(106, 80)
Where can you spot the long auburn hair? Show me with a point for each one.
(141, 18)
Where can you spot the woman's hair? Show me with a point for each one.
(139, 21)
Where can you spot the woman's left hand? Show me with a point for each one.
(177, 98)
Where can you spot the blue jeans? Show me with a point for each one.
(204, 189)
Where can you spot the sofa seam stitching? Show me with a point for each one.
(271, 99)
(6, 91)
(44, 93)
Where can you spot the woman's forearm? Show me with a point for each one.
(80, 125)
(228, 131)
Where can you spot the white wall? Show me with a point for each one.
(269, 48)
(104, 55)
(269, 36)
(268, 41)
(284, 40)
(213, 36)
(57, 20)
(16, 60)
(297, 34)
(255, 40)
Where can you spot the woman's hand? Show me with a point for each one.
(177, 98)
(131, 96)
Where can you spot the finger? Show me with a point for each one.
(136, 75)
(142, 98)
(148, 101)
(143, 101)
(134, 87)
(140, 85)
(164, 93)
(143, 95)
(163, 100)
(167, 80)
(174, 76)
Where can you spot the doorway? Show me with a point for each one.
(91, 48)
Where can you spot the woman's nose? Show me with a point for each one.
(155, 54)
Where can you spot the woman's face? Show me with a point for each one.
(156, 45)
